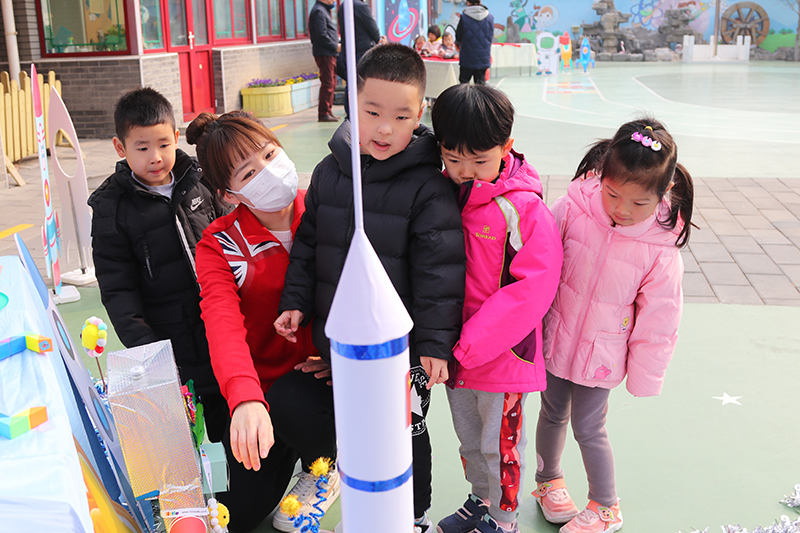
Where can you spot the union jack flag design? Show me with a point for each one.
(239, 252)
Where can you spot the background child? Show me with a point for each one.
(622, 221)
(447, 48)
(412, 221)
(419, 46)
(513, 265)
(241, 262)
(147, 219)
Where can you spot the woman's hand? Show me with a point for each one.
(315, 364)
(251, 434)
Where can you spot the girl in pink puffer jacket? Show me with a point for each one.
(623, 220)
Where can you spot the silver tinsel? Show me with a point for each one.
(786, 524)
(794, 499)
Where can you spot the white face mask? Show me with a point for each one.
(274, 188)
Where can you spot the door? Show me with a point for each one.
(188, 36)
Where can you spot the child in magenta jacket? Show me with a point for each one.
(513, 264)
(623, 220)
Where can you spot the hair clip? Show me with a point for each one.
(649, 128)
(646, 141)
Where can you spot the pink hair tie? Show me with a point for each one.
(646, 141)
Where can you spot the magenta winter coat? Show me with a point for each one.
(619, 302)
(513, 265)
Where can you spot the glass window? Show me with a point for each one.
(262, 18)
(302, 15)
(152, 30)
(75, 26)
(239, 18)
(223, 26)
(288, 11)
(178, 34)
(275, 18)
(200, 22)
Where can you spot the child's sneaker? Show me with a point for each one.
(555, 502)
(489, 525)
(595, 518)
(466, 518)
(306, 492)
(423, 525)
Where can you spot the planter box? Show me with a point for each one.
(268, 101)
(305, 95)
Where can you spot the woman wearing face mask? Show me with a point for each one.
(281, 406)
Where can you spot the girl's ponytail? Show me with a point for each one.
(681, 198)
(593, 160)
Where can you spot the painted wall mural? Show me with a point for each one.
(772, 23)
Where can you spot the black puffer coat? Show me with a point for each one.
(413, 222)
(143, 247)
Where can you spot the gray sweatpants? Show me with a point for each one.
(491, 428)
(587, 408)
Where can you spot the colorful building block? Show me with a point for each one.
(12, 427)
(28, 340)
(38, 343)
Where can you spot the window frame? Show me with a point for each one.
(55, 55)
(231, 41)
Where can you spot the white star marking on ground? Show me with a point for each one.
(727, 399)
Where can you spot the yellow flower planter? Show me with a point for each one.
(268, 101)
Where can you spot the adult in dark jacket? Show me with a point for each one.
(367, 35)
(474, 35)
(325, 47)
(143, 246)
(413, 222)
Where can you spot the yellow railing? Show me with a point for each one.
(17, 119)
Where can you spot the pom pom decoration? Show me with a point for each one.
(219, 517)
(291, 506)
(94, 336)
(794, 499)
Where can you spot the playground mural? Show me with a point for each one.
(773, 22)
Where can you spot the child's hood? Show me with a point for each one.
(586, 194)
(421, 150)
(478, 12)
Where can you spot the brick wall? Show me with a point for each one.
(162, 72)
(234, 67)
(27, 35)
(90, 87)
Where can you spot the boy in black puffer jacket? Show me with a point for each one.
(412, 220)
(147, 219)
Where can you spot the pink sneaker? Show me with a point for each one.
(557, 506)
(595, 518)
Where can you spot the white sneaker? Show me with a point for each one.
(305, 490)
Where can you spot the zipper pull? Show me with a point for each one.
(610, 233)
(147, 261)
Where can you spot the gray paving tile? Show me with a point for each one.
(774, 286)
(786, 303)
(768, 236)
(689, 262)
(702, 234)
(754, 221)
(788, 197)
(778, 215)
(723, 274)
(716, 214)
(704, 252)
(756, 263)
(783, 254)
(793, 273)
(695, 284)
(726, 227)
(700, 300)
(766, 202)
(720, 184)
(793, 208)
(753, 191)
(773, 185)
(737, 294)
(709, 202)
(741, 244)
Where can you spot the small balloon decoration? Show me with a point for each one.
(94, 336)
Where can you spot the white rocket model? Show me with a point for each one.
(368, 326)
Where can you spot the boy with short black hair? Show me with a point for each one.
(412, 220)
(147, 219)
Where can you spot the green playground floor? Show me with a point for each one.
(685, 459)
